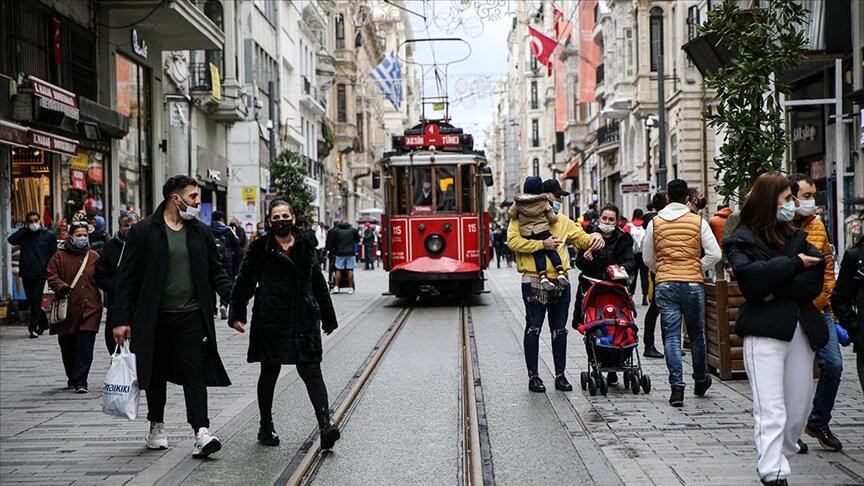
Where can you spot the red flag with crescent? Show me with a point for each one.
(542, 46)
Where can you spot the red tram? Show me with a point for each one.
(435, 229)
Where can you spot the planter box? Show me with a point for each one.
(725, 353)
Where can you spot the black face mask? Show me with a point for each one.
(282, 227)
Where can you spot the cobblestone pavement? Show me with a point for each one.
(51, 436)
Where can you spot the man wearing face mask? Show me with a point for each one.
(108, 267)
(424, 197)
(828, 356)
(38, 245)
(164, 298)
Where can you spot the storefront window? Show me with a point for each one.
(31, 184)
(135, 177)
(82, 183)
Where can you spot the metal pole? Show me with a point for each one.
(840, 157)
(271, 90)
(661, 107)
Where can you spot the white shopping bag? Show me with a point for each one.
(120, 393)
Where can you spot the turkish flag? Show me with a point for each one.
(57, 41)
(542, 47)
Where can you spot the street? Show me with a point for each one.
(405, 425)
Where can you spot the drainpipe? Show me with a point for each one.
(657, 16)
(704, 146)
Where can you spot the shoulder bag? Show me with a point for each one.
(57, 312)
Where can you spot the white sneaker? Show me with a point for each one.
(157, 439)
(223, 312)
(350, 291)
(205, 444)
(336, 290)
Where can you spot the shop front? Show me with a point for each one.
(212, 175)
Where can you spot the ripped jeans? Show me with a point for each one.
(535, 314)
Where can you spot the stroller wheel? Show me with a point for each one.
(634, 384)
(583, 380)
(646, 384)
(603, 386)
(626, 379)
(592, 386)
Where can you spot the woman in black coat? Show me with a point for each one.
(847, 301)
(779, 275)
(292, 305)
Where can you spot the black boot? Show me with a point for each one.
(651, 352)
(562, 384)
(535, 384)
(329, 432)
(267, 434)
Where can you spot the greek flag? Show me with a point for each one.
(388, 76)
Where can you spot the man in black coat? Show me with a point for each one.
(108, 267)
(164, 297)
(38, 244)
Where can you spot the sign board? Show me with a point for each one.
(13, 134)
(215, 82)
(55, 98)
(636, 188)
(432, 137)
(53, 143)
(250, 194)
(139, 45)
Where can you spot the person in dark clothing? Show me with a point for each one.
(240, 233)
(847, 301)
(163, 298)
(658, 202)
(107, 269)
(38, 244)
(591, 215)
(369, 246)
(779, 274)
(634, 227)
(285, 331)
(97, 234)
(229, 249)
(341, 240)
(498, 238)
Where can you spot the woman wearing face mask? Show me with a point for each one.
(593, 264)
(292, 306)
(77, 333)
(779, 274)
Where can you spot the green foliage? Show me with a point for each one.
(763, 42)
(325, 147)
(288, 177)
(494, 212)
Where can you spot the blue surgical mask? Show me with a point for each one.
(556, 206)
(786, 212)
(81, 241)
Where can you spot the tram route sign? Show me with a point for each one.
(432, 137)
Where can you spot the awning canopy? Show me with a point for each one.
(572, 170)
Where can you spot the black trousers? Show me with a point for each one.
(310, 373)
(77, 352)
(650, 324)
(33, 287)
(641, 274)
(180, 352)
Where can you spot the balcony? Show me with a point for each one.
(607, 137)
(228, 107)
(309, 98)
(314, 169)
(171, 24)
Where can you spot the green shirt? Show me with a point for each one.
(178, 289)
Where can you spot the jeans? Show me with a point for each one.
(677, 300)
(541, 255)
(830, 368)
(180, 351)
(77, 352)
(535, 314)
(33, 287)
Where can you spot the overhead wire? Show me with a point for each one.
(161, 3)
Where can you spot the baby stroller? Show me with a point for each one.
(611, 335)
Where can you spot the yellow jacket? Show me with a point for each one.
(818, 237)
(564, 229)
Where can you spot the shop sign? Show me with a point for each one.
(13, 134)
(55, 98)
(139, 45)
(53, 143)
(636, 188)
(78, 181)
(250, 194)
(807, 132)
(212, 167)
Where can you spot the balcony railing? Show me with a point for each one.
(607, 134)
(199, 77)
(601, 74)
(313, 168)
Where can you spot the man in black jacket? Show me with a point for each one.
(38, 245)
(341, 241)
(164, 296)
(107, 268)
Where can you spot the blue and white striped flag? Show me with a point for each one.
(388, 76)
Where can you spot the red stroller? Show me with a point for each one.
(611, 337)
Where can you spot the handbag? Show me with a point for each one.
(59, 307)
(121, 393)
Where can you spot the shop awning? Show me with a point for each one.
(108, 121)
(13, 134)
(572, 170)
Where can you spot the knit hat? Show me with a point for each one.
(533, 185)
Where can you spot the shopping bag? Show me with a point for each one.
(120, 393)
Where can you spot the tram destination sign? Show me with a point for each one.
(432, 137)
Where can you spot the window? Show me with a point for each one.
(341, 104)
(656, 33)
(535, 133)
(133, 154)
(445, 189)
(628, 53)
(421, 184)
(692, 22)
(340, 31)
(534, 65)
(535, 164)
(360, 116)
(534, 103)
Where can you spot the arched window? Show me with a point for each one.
(656, 33)
(536, 166)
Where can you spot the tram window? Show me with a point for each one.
(421, 183)
(468, 186)
(400, 183)
(446, 189)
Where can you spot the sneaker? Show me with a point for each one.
(562, 384)
(157, 439)
(535, 384)
(336, 290)
(223, 312)
(651, 352)
(547, 284)
(802, 447)
(701, 387)
(562, 279)
(350, 291)
(826, 439)
(33, 335)
(205, 444)
(267, 435)
(81, 389)
(775, 482)
(676, 399)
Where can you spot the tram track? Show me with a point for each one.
(475, 465)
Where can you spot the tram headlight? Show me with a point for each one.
(435, 244)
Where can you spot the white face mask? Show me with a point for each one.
(34, 226)
(187, 212)
(806, 207)
(606, 228)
